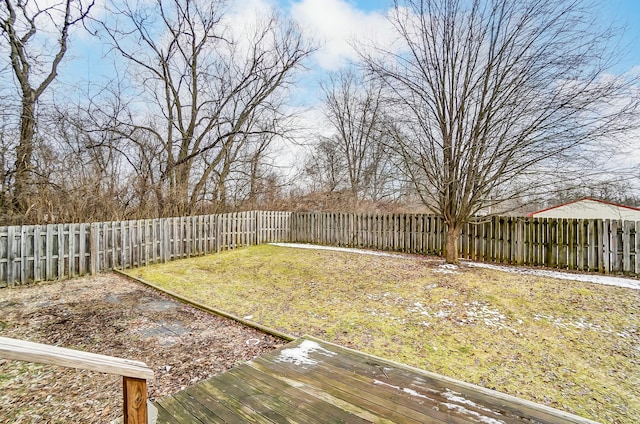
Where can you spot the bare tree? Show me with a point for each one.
(494, 98)
(325, 166)
(206, 91)
(355, 158)
(355, 110)
(35, 55)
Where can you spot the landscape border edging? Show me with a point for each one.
(216, 311)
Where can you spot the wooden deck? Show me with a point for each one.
(310, 381)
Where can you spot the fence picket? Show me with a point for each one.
(637, 248)
(67, 250)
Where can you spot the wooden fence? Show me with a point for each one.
(49, 252)
(604, 246)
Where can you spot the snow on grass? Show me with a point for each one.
(472, 313)
(341, 249)
(447, 269)
(451, 269)
(580, 324)
(586, 278)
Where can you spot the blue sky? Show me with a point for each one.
(625, 13)
(337, 22)
(622, 13)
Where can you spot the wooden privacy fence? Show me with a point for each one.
(48, 252)
(605, 246)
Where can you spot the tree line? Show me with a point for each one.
(478, 106)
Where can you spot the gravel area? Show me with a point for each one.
(111, 315)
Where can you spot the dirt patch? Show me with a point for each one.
(111, 315)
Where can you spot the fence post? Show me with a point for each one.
(218, 232)
(23, 254)
(10, 256)
(613, 246)
(37, 242)
(605, 238)
(48, 252)
(626, 248)
(93, 245)
(258, 227)
(637, 248)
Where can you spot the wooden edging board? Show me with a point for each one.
(248, 323)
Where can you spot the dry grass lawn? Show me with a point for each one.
(570, 345)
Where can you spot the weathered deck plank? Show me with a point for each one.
(310, 381)
(346, 392)
(226, 407)
(440, 388)
(265, 403)
(312, 405)
(365, 368)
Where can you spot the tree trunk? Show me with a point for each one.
(24, 152)
(451, 249)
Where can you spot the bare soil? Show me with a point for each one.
(111, 315)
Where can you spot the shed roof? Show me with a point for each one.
(581, 200)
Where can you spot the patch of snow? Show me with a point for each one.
(342, 249)
(447, 269)
(300, 355)
(586, 278)
(408, 391)
(580, 324)
(382, 383)
(414, 393)
(456, 397)
(482, 418)
(474, 313)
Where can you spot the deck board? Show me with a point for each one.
(363, 368)
(315, 382)
(313, 406)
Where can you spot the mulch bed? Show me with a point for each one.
(111, 315)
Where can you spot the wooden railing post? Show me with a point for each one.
(134, 391)
(134, 373)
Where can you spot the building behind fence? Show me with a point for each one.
(49, 252)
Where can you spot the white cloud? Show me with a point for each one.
(337, 24)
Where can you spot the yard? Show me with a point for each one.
(111, 315)
(570, 345)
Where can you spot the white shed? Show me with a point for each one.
(589, 208)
